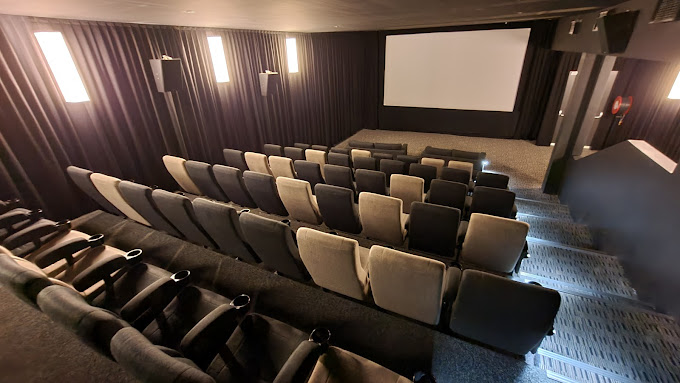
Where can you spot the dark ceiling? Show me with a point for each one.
(303, 15)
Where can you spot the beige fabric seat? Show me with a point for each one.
(436, 162)
(408, 284)
(359, 153)
(297, 197)
(493, 243)
(408, 189)
(177, 168)
(108, 187)
(336, 263)
(281, 167)
(318, 156)
(257, 162)
(339, 366)
(382, 218)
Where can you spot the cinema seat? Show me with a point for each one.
(339, 366)
(492, 201)
(302, 146)
(370, 181)
(492, 243)
(257, 162)
(262, 189)
(336, 263)
(139, 197)
(390, 167)
(339, 176)
(81, 177)
(281, 167)
(108, 187)
(447, 193)
(356, 153)
(221, 223)
(457, 175)
(492, 180)
(179, 211)
(235, 159)
(274, 243)
(309, 171)
(339, 159)
(177, 168)
(294, 153)
(408, 189)
(436, 162)
(408, 284)
(382, 218)
(336, 149)
(408, 160)
(434, 229)
(17, 219)
(503, 313)
(317, 156)
(426, 172)
(231, 181)
(462, 165)
(273, 150)
(35, 235)
(202, 175)
(337, 207)
(23, 278)
(382, 156)
(7, 205)
(322, 148)
(297, 197)
(367, 163)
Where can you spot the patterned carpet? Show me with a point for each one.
(542, 209)
(565, 232)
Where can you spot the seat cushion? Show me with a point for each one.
(340, 366)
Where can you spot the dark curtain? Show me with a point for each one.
(653, 117)
(127, 126)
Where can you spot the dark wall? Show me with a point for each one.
(632, 206)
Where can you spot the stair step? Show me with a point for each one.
(564, 232)
(542, 209)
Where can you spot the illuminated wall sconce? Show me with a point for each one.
(218, 58)
(291, 50)
(675, 91)
(62, 66)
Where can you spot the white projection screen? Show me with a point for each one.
(470, 70)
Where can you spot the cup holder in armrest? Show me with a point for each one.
(243, 211)
(180, 275)
(133, 256)
(35, 214)
(65, 224)
(96, 240)
(320, 335)
(286, 221)
(240, 302)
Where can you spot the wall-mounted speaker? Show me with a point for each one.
(167, 73)
(615, 31)
(269, 82)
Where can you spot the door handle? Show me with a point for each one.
(560, 114)
(599, 116)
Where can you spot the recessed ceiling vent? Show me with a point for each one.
(666, 11)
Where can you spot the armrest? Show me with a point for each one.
(8, 205)
(35, 232)
(101, 270)
(66, 250)
(525, 254)
(453, 275)
(15, 216)
(301, 362)
(144, 307)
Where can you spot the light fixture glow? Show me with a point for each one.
(218, 59)
(291, 50)
(62, 66)
(675, 91)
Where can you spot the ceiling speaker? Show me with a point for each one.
(615, 31)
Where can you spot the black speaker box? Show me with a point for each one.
(615, 31)
(167, 73)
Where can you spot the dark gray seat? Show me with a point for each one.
(322, 148)
(294, 153)
(390, 167)
(339, 176)
(302, 146)
(335, 149)
(455, 175)
(339, 159)
(202, 175)
(230, 180)
(309, 171)
(503, 313)
(492, 201)
(81, 177)
(273, 150)
(235, 159)
(382, 156)
(447, 193)
(408, 160)
(368, 163)
(370, 181)
(338, 209)
(432, 228)
(221, 223)
(262, 188)
(139, 197)
(179, 211)
(274, 243)
(492, 180)
(426, 172)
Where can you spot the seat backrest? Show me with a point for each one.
(433, 228)
(336, 149)
(367, 163)
(302, 146)
(383, 156)
(333, 262)
(448, 193)
(177, 168)
(462, 165)
(139, 197)
(281, 167)
(382, 218)
(262, 188)
(230, 180)
(322, 148)
(492, 180)
(235, 159)
(297, 197)
(371, 181)
(409, 189)
(221, 222)
(81, 177)
(108, 187)
(407, 284)
(257, 162)
(273, 150)
(317, 156)
(202, 175)
(337, 207)
(494, 243)
(492, 201)
(178, 209)
(503, 313)
(426, 172)
(309, 171)
(356, 153)
(390, 167)
(339, 159)
(436, 162)
(408, 160)
(274, 243)
(339, 176)
(337, 366)
(456, 175)
(294, 153)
